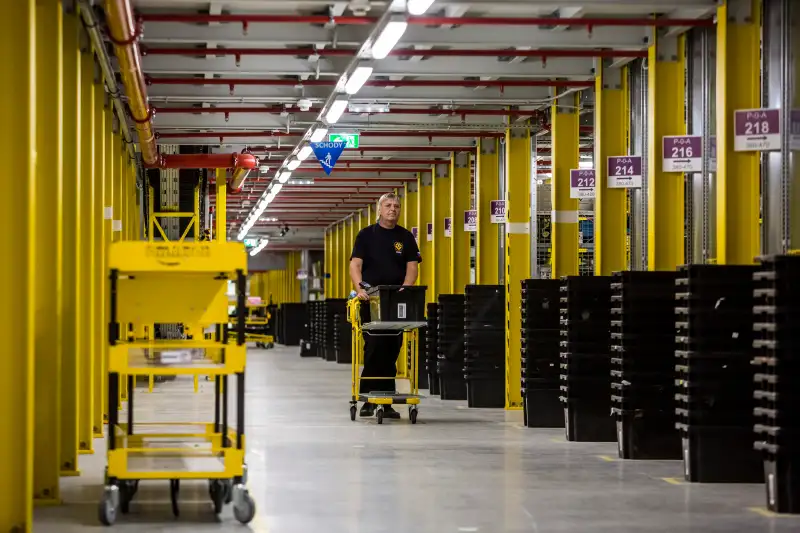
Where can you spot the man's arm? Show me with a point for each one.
(355, 271)
(412, 270)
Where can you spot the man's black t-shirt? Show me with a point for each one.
(385, 253)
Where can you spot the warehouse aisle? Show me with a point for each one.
(459, 470)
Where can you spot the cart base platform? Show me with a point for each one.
(383, 399)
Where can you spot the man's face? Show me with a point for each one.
(390, 210)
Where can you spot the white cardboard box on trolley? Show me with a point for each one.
(396, 307)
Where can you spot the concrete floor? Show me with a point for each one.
(458, 470)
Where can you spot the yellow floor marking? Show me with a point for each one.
(673, 480)
(560, 441)
(607, 458)
(766, 513)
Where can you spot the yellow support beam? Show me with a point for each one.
(350, 238)
(221, 218)
(91, 217)
(401, 216)
(18, 207)
(440, 249)
(738, 87)
(336, 272)
(411, 204)
(327, 262)
(518, 253)
(666, 102)
(102, 194)
(459, 239)
(49, 253)
(612, 117)
(565, 131)
(344, 261)
(487, 236)
(72, 241)
(425, 217)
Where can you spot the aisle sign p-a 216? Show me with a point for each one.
(756, 130)
(682, 153)
(624, 172)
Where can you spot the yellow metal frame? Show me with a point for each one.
(404, 371)
(565, 136)
(424, 217)
(194, 222)
(441, 264)
(487, 238)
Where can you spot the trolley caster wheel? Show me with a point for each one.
(107, 510)
(219, 493)
(412, 415)
(379, 415)
(352, 412)
(245, 510)
(174, 488)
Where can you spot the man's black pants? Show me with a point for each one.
(381, 349)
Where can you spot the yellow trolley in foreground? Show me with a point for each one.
(394, 311)
(176, 283)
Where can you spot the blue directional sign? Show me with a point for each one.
(328, 154)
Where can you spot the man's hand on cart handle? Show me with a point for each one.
(361, 294)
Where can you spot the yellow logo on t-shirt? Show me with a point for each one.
(398, 247)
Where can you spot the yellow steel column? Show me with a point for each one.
(518, 252)
(610, 139)
(564, 120)
(412, 205)
(425, 217)
(666, 65)
(17, 269)
(327, 262)
(90, 224)
(401, 217)
(350, 234)
(72, 245)
(102, 232)
(344, 261)
(109, 194)
(221, 218)
(459, 239)
(442, 263)
(487, 186)
(335, 267)
(738, 87)
(49, 253)
(369, 217)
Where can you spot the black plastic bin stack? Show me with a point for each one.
(333, 308)
(342, 334)
(485, 345)
(714, 351)
(541, 335)
(431, 349)
(450, 311)
(293, 323)
(311, 348)
(643, 363)
(318, 327)
(777, 364)
(586, 358)
(422, 358)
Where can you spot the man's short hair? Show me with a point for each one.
(387, 196)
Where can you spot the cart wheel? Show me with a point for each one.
(352, 412)
(106, 512)
(217, 491)
(412, 414)
(174, 488)
(246, 510)
(379, 415)
(228, 484)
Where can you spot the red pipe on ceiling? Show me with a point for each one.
(370, 83)
(393, 111)
(398, 52)
(252, 18)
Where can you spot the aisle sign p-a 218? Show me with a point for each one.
(682, 153)
(624, 172)
(471, 221)
(756, 130)
(581, 183)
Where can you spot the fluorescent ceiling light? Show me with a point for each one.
(300, 181)
(337, 108)
(418, 7)
(284, 177)
(276, 188)
(293, 164)
(319, 134)
(368, 108)
(357, 79)
(255, 251)
(304, 152)
(388, 38)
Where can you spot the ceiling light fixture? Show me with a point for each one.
(319, 134)
(284, 177)
(357, 79)
(389, 37)
(293, 164)
(304, 152)
(367, 108)
(418, 7)
(336, 110)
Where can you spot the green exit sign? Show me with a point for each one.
(250, 243)
(350, 139)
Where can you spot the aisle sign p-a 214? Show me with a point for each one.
(756, 130)
(624, 171)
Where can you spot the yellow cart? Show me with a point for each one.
(407, 366)
(177, 283)
(256, 325)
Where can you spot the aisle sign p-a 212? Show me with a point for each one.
(581, 183)
(624, 172)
